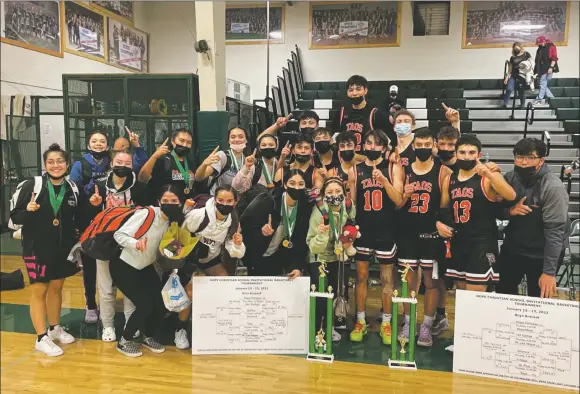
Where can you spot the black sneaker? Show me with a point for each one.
(153, 345)
(129, 348)
(340, 323)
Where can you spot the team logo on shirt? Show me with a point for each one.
(490, 258)
(353, 126)
(176, 175)
(465, 192)
(72, 202)
(119, 200)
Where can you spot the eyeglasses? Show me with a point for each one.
(526, 158)
(55, 163)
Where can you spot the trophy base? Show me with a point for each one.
(321, 358)
(398, 364)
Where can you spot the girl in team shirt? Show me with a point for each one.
(220, 167)
(260, 167)
(217, 227)
(50, 220)
(326, 224)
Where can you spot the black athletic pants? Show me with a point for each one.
(513, 267)
(143, 287)
(90, 280)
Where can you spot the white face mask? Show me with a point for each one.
(238, 147)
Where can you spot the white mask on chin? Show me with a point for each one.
(238, 147)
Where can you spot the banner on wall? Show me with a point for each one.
(240, 28)
(354, 28)
(517, 28)
(129, 55)
(88, 38)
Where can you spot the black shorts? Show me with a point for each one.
(413, 251)
(44, 273)
(474, 261)
(383, 249)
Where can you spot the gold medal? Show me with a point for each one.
(338, 251)
(186, 190)
(270, 185)
(55, 222)
(285, 243)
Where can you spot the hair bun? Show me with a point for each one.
(54, 146)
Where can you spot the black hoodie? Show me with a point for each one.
(132, 193)
(541, 234)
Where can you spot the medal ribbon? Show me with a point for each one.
(183, 169)
(235, 161)
(289, 220)
(268, 177)
(56, 201)
(335, 229)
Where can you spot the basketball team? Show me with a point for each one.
(373, 189)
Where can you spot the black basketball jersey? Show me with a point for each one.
(375, 210)
(419, 214)
(473, 211)
(308, 176)
(359, 121)
(407, 156)
(344, 177)
(332, 166)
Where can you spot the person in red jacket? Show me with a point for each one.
(546, 66)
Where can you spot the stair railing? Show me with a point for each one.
(529, 118)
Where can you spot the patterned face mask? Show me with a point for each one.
(334, 201)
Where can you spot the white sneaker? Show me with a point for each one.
(335, 336)
(60, 335)
(48, 347)
(109, 334)
(181, 341)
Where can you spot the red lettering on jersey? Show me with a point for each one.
(356, 127)
(422, 185)
(466, 192)
(369, 182)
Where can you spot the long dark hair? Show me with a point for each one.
(172, 189)
(248, 149)
(235, 217)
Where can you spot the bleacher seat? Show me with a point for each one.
(380, 85)
(328, 86)
(323, 104)
(490, 83)
(435, 84)
(453, 93)
(571, 91)
(326, 94)
(572, 126)
(565, 81)
(561, 102)
(568, 113)
(309, 94)
(470, 84)
(575, 101)
(305, 104)
(413, 103)
(451, 83)
(466, 126)
(457, 103)
(557, 91)
(342, 85)
(439, 114)
(414, 93)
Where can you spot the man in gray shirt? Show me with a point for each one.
(536, 234)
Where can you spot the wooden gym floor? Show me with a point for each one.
(92, 366)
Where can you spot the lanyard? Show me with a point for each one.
(336, 229)
(235, 161)
(55, 200)
(183, 169)
(289, 220)
(267, 176)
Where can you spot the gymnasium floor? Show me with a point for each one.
(92, 366)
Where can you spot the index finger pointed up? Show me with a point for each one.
(127, 130)
(33, 197)
(445, 107)
(255, 151)
(270, 219)
(290, 116)
(165, 142)
(239, 228)
(374, 165)
(215, 150)
(408, 178)
(96, 190)
(522, 200)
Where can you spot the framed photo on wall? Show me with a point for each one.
(33, 25)
(336, 25)
(128, 47)
(84, 31)
(246, 24)
(498, 24)
(120, 9)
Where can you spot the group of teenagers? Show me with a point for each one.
(408, 195)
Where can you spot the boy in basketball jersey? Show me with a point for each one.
(472, 193)
(325, 158)
(404, 125)
(424, 179)
(346, 143)
(360, 116)
(379, 188)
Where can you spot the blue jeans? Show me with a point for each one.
(511, 85)
(544, 89)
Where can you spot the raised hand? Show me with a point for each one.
(162, 150)
(481, 169)
(451, 114)
(294, 274)
(282, 121)
(251, 160)
(377, 174)
(133, 137)
(322, 228)
(212, 158)
(237, 238)
(141, 244)
(322, 172)
(32, 206)
(409, 188)
(394, 156)
(267, 230)
(96, 198)
(520, 209)
(286, 150)
(493, 167)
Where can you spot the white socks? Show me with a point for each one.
(361, 316)
(386, 317)
(428, 320)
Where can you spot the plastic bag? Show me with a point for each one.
(174, 247)
(174, 296)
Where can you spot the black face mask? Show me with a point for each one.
(446, 155)
(98, 155)
(347, 155)
(393, 95)
(423, 154)
(525, 173)
(294, 193)
(122, 171)
(268, 153)
(322, 146)
(356, 100)
(302, 158)
(224, 209)
(373, 155)
(181, 150)
(465, 165)
(307, 130)
(174, 212)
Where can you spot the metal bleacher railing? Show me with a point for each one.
(529, 117)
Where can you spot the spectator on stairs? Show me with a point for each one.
(546, 66)
(519, 74)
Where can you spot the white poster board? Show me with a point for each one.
(250, 315)
(524, 339)
(354, 28)
(129, 55)
(237, 27)
(88, 38)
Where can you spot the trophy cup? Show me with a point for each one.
(403, 359)
(320, 349)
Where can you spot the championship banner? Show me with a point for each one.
(129, 55)
(240, 28)
(88, 38)
(250, 315)
(523, 339)
(354, 28)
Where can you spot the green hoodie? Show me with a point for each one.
(322, 245)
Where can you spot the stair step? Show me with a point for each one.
(495, 139)
(563, 154)
(496, 103)
(492, 93)
(505, 114)
(541, 125)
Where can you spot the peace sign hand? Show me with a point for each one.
(251, 160)
(162, 150)
(267, 230)
(212, 158)
(237, 238)
(133, 137)
(32, 206)
(96, 199)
